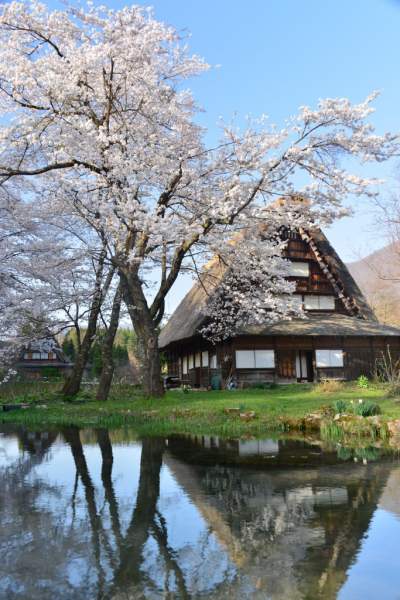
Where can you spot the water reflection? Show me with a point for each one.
(100, 514)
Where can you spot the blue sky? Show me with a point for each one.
(276, 55)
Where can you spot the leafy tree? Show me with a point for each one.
(68, 348)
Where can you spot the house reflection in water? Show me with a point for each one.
(244, 447)
(180, 517)
(252, 447)
(293, 533)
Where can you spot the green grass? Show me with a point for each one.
(280, 409)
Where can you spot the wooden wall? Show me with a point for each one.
(317, 282)
(360, 356)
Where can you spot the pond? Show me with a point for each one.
(97, 514)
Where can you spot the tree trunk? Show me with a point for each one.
(147, 334)
(129, 575)
(108, 366)
(72, 438)
(72, 384)
(103, 439)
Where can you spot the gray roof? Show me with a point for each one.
(191, 312)
(322, 324)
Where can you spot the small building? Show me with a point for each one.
(42, 359)
(339, 338)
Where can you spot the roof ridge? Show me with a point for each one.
(355, 302)
(349, 302)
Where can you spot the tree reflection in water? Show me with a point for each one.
(198, 523)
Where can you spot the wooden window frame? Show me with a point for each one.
(318, 297)
(329, 366)
(254, 352)
(297, 263)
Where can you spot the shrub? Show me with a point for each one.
(362, 408)
(340, 406)
(393, 390)
(328, 386)
(365, 408)
(387, 368)
(363, 381)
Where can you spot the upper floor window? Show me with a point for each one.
(319, 302)
(288, 234)
(299, 269)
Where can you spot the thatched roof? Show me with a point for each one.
(190, 314)
(323, 324)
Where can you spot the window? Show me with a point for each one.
(213, 362)
(255, 359)
(265, 359)
(190, 361)
(299, 269)
(329, 358)
(245, 359)
(184, 365)
(327, 302)
(197, 359)
(319, 302)
(204, 358)
(27, 355)
(36, 355)
(52, 356)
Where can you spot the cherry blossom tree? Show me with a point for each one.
(74, 294)
(23, 247)
(96, 115)
(54, 276)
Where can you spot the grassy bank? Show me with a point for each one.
(228, 413)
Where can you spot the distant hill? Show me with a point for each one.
(378, 276)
